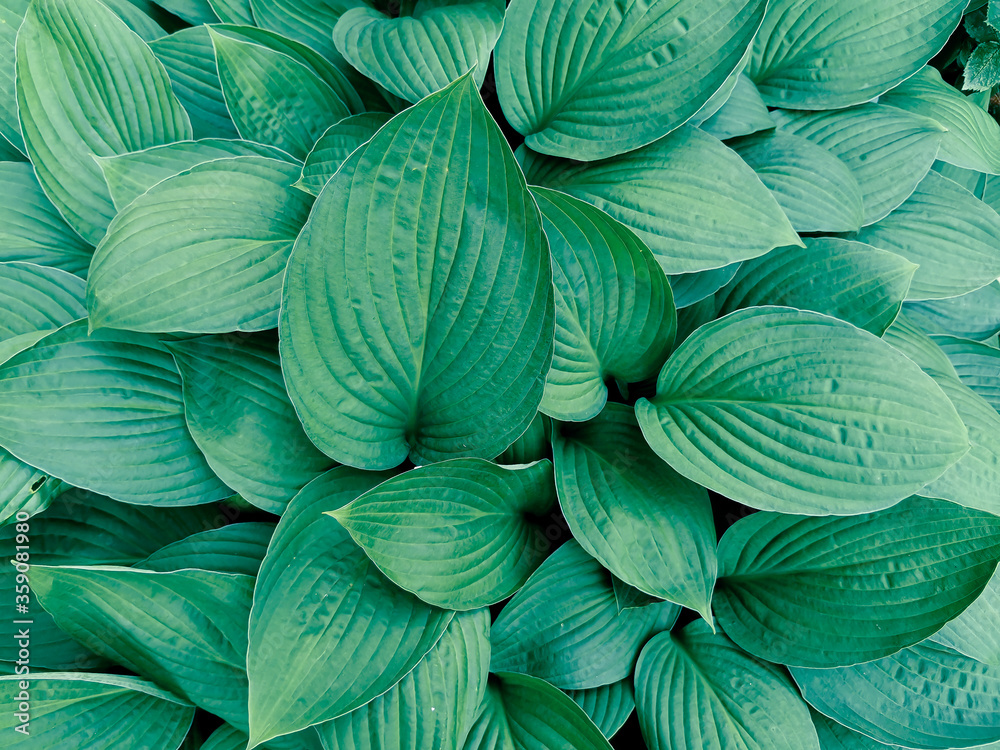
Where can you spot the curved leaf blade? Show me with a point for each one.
(975, 315)
(335, 145)
(608, 706)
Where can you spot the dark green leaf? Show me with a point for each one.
(335, 145)
(690, 288)
(236, 548)
(608, 706)
(982, 69)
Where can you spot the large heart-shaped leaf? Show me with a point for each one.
(614, 309)
(695, 688)
(335, 145)
(974, 632)
(588, 81)
(417, 317)
(328, 632)
(458, 533)
(829, 54)
(694, 202)
(751, 407)
(975, 315)
(647, 524)
(840, 590)
(219, 270)
(74, 58)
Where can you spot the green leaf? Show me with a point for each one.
(233, 11)
(417, 316)
(614, 309)
(451, 679)
(521, 712)
(945, 229)
(35, 299)
(112, 394)
(608, 706)
(416, 54)
(971, 133)
(831, 54)
(975, 315)
(694, 202)
(328, 632)
(974, 632)
(226, 737)
(695, 688)
(219, 270)
(533, 445)
(918, 347)
(889, 151)
(11, 15)
(927, 696)
(815, 189)
(750, 407)
(31, 229)
(239, 414)
(840, 590)
(564, 625)
(834, 736)
(742, 114)
(335, 145)
(848, 280)
(588, 82)
(236, 548)
(74, 58)
(645, 523)
(721, 95)
(310, 24)
(691, 288)
(982, 69)
(457, 534)
(195, 12)
(24, 489)
(92, 712)
(185, 630)
(976, 364)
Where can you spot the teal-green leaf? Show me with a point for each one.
(691, 288)
(696, 688)
(918, 346)
(236, 548)
(975, 315)
(226, 737)
(233, 11)
(450, 679)
(564, 625)
(74, 60)
(33, 300)
(977, 364)
(457, 534)
(848, 280)
(694, 202)
(418, 53)
(834, 736)
(647, 524)
(814, 188)
(112, 394)
(608, 706)
(888, 150)
(974, 632)
(749, 406)
(219, 270)
(927, 696)
(239, 414)
(588, 81)
(982, 68)
(417, 316)
(521, 712)
(328, 632)
(841, 590)
(195, 12)
(311, 23)
(335, 145)
(11, 15)
(830, 54)
(93, 712)
(721, 96)
(743, 113)
(24, 489)
(614, 309)
(948, 232)
(533, 445)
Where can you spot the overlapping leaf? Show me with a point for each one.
(335, 145)
(743, 113)
(974, 632)
(236, 548)
(608, 706)
(977, 364)
(975, 315)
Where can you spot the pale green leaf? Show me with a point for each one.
(742, 114)
(335, 145)
(982, 68)
(11, 15)
(977, 364)
(233, 11)
(974, 632)
(834, 736)
(35, 299)
(975, 315)
(691, 288)
(310, 24)
(918, 346)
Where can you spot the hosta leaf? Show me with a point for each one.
(945, 229)
(226, 737)
(195, 12)
(236, 548)
(24, 489)
(742, 114)
(834, 53)
(311, 24)
(416, 54)
(586, 81)
(815, 189)
(233, 11)
(694, 202)
(459, 533)
(564, 625)
(848, 280)
(608, 706)
(185, 630)
(74, 58)
(11, 15)
(114, 394)
(521, 712)
(533, 445)
(328, 632)
(335, 145)
(721, 95)
(975, 315)
(927, 696)
(417, 315)
(889, 151)
(239, 414)
(974, 632)
(93, 712)
(977, 364)
(691, 288)
(972, 134)
(645, 523)
(130, 175)
(827, 592)
(751, 407)
(451, 679)
(918, 347)
(33, 300)
(834, 736)
(614, 309)
(695, 688)
(219, 270)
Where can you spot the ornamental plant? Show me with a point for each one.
(563, 375)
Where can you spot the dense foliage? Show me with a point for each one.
(453, 376)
